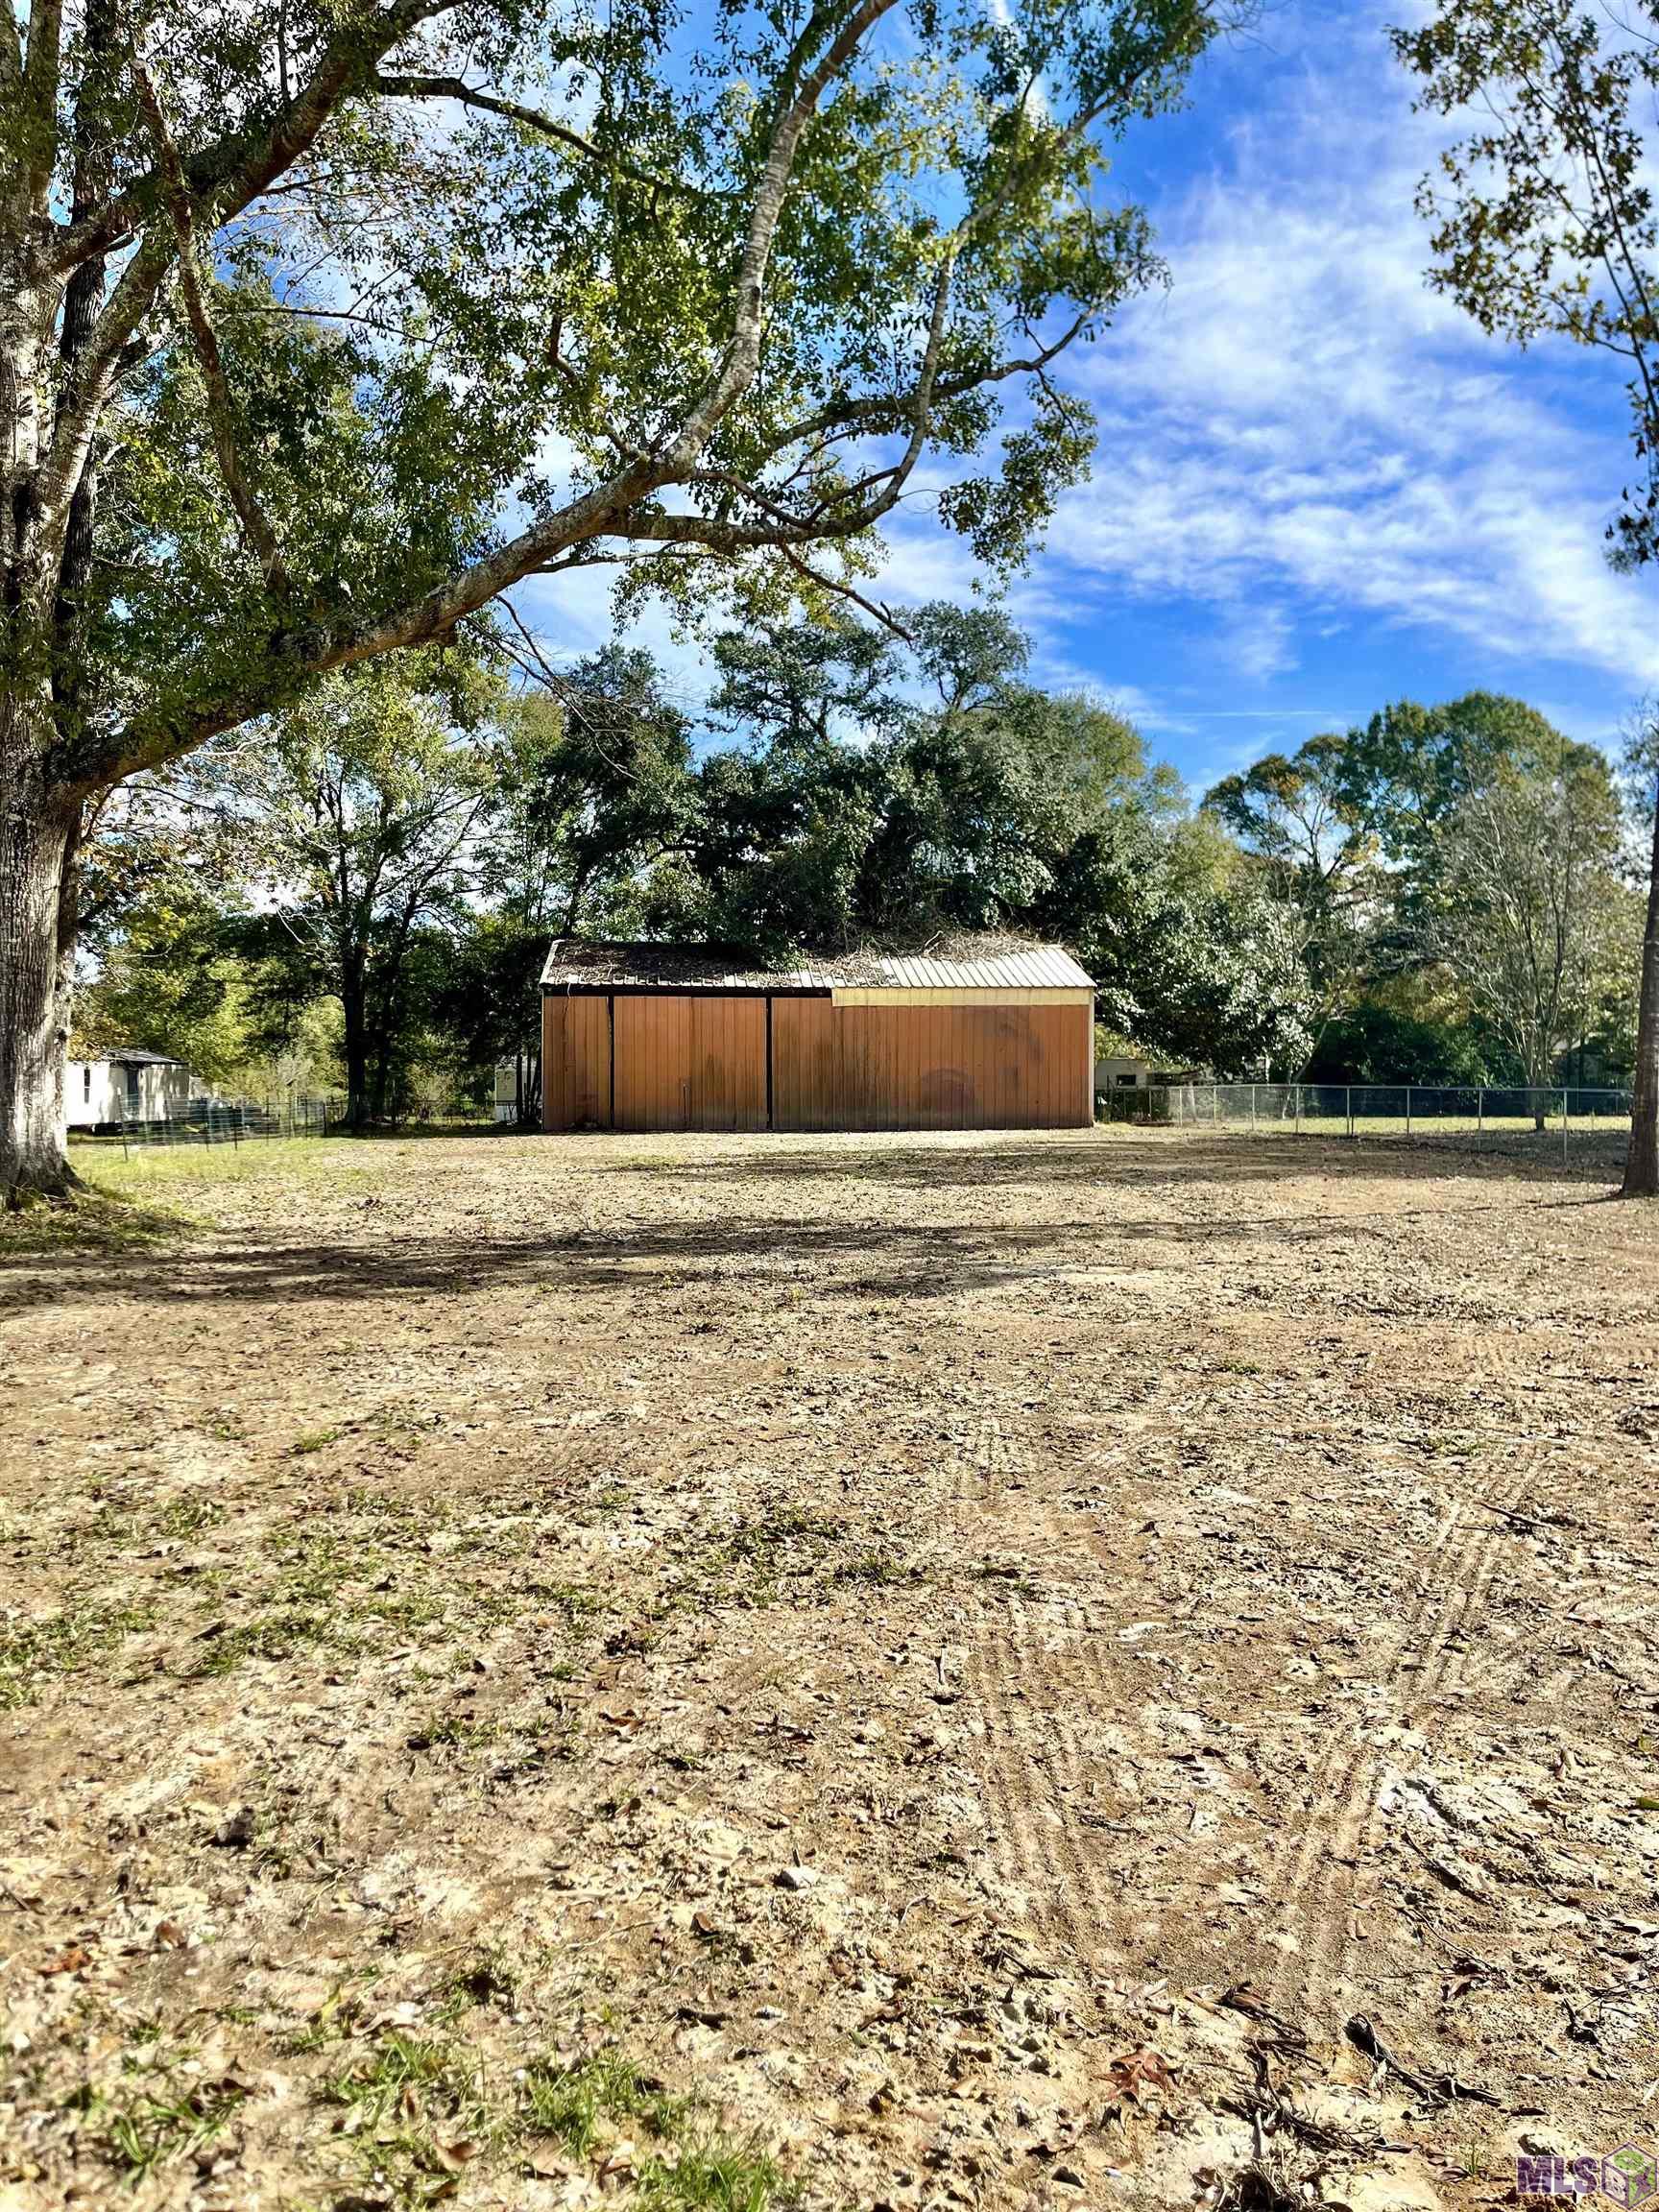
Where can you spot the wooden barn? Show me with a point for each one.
(985, 1036)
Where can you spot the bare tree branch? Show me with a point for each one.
(882, 615)
(423, 87)
(224, 178)
(42, 73)
(220, 416)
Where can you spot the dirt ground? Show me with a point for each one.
(1059, 1669)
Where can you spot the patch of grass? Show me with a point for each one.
(311, 1603)
(314, 1440)
(577, 1605)
(321, 1163)
(419, 2112)
(689, 2166)
(34, 1653)
(188, 1516)
(884, 1568)
(317, 1559)
(406, 2071)
(558, 1742)
(335, 2018)
(151, 2131)
(713, 2173)
(454, 1731)
(752, 1559)
(88, 1219)
(282, 1633)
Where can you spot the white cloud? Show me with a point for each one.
(1300, 437)
(1301, 427)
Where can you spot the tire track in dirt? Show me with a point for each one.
(1318, 1886)
(1036, 1852)
(1031, 1766)
(1321, 1891)
(1304, 1852)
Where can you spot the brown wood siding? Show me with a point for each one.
(803, 1063)
(932, 1067)
(575, 1063)
(687, 1059)
(728, 1063)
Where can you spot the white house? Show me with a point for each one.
(515, 1082)
(1122, 1074)
(129, 1085)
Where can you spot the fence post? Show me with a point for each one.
(1252, 1109)
(1298, 1109)
(1566, 1116)
(1349, 1109)
(1481, 1112)
(1408, 1108)
(1215, 1105)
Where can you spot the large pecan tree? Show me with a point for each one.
(324, 322)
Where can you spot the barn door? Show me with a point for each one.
(690, 1060)
(575, 1063)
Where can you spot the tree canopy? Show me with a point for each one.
(330, 324)
(1544, 223)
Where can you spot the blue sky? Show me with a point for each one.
(1318, 486)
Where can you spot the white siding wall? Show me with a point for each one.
(507, 1085)
(91, 1094)
(1122, 1074)
(96, 1090)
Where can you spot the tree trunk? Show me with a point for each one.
(385, 1101)
(352, 995)
(1641, 1161)
(37, 840)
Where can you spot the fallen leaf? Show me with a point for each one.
(1138, 2070)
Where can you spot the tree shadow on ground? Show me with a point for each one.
(908, 1163)
(850, 1259)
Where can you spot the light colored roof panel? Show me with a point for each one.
(963, 963)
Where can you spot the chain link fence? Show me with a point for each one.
(1377, 1110)
(251, 1121)
(233, 1121)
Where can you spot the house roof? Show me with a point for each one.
(963, 963)
(134, 1056)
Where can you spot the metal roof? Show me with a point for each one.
(129, 1056)
(948, 964)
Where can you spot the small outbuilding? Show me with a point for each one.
(976, 1034)
(129, 1085)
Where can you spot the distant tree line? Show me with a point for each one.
(360, 892)
(1462, 891)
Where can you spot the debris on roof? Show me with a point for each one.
(129, 1056)
(960, 963)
